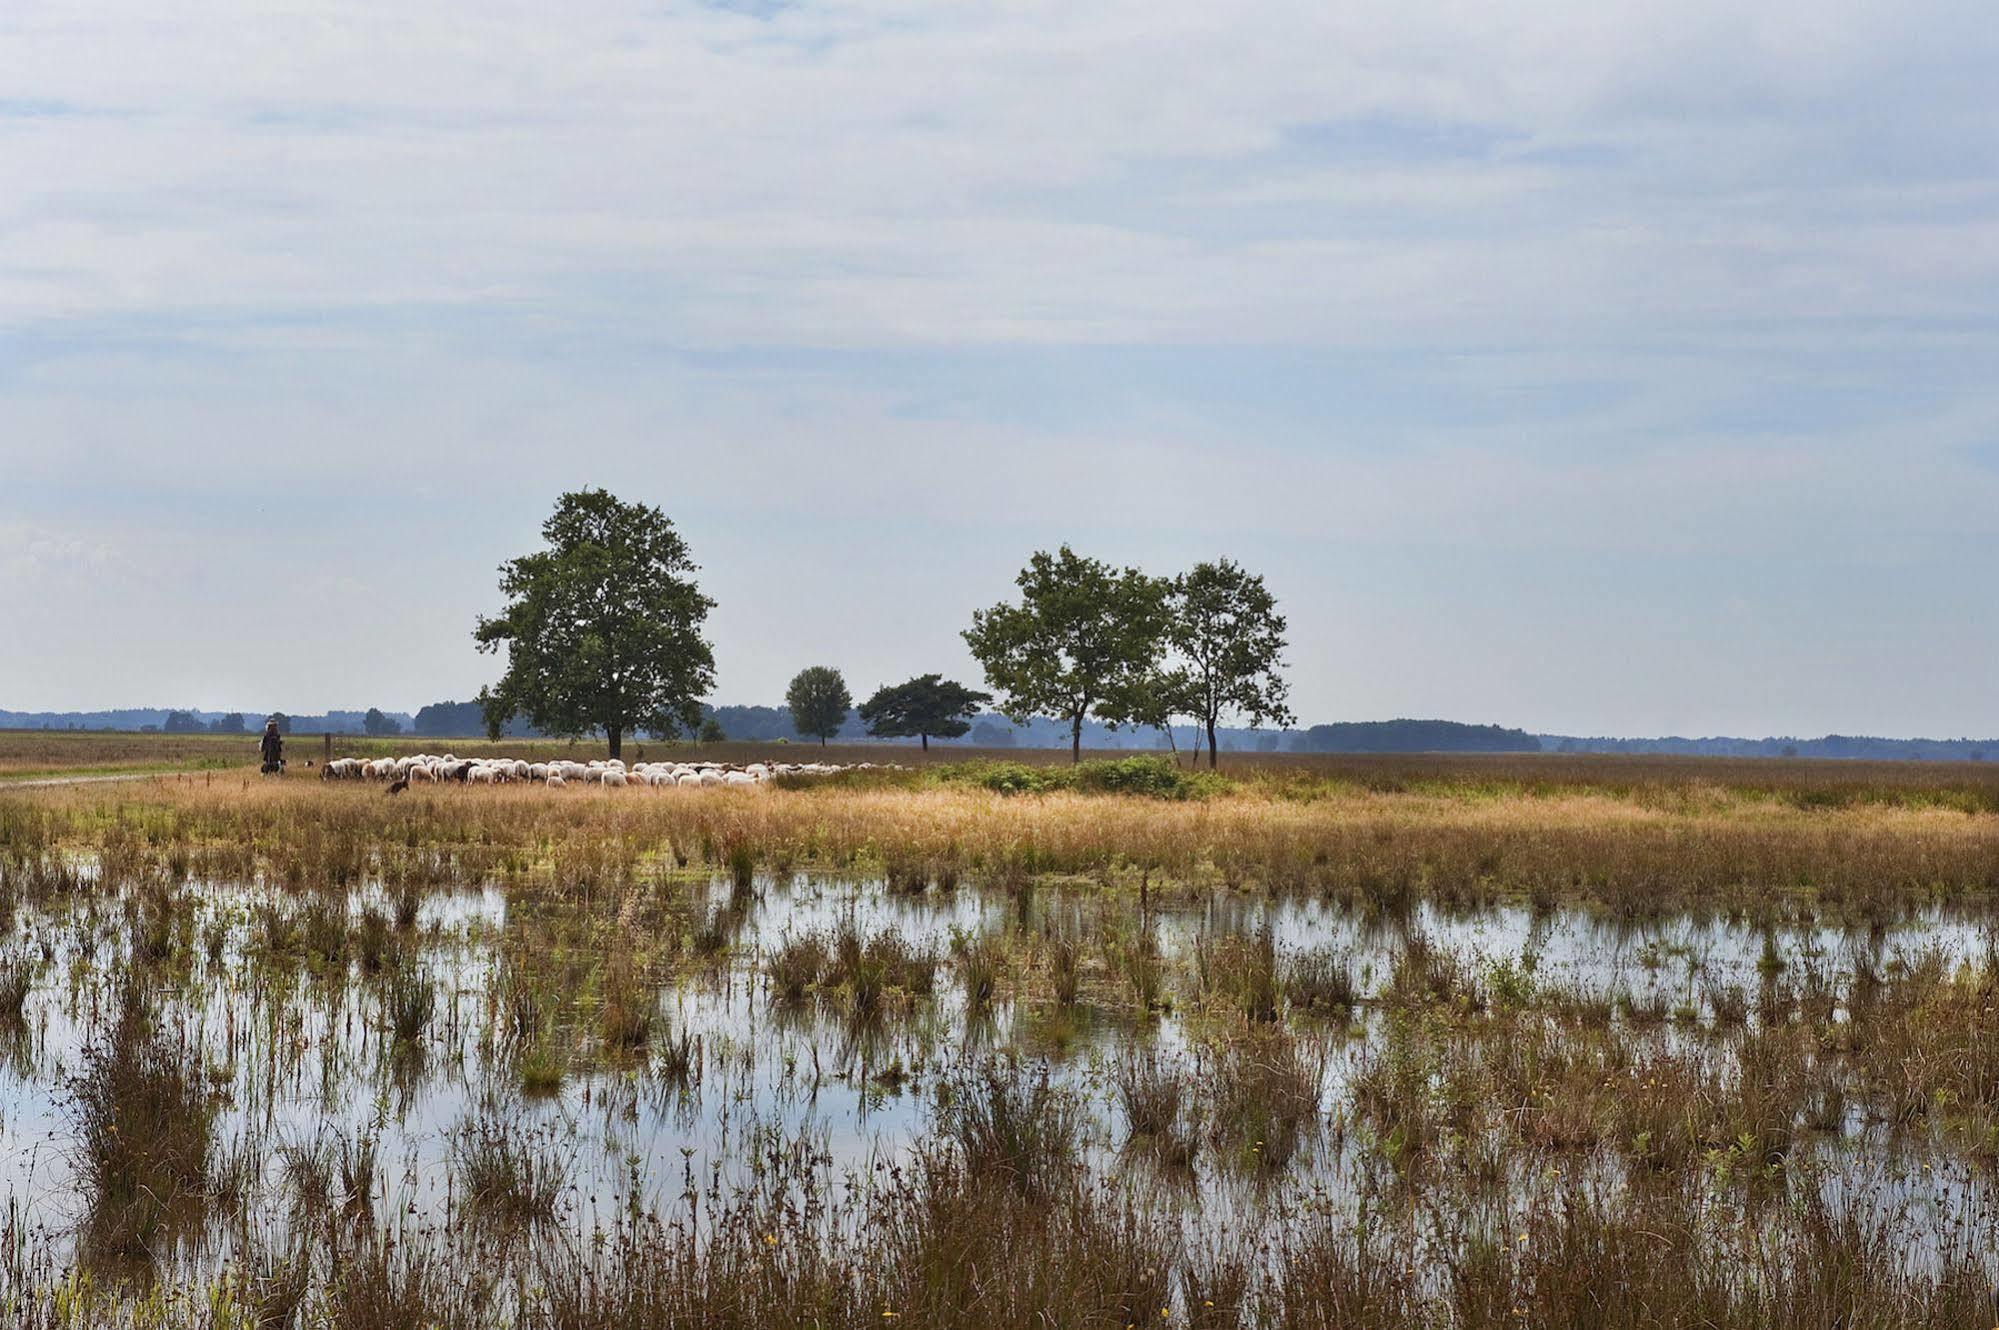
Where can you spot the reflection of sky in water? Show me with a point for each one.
(309, 1060)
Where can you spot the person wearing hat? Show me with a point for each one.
(273, 748)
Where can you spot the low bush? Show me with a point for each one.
(1151, 775)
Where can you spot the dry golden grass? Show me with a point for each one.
(1704, 843)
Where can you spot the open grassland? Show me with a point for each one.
(1343, 1042)
(1629, 846)
(34, 754)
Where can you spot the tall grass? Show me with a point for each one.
(144, 1141)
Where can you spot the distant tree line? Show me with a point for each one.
(1843, 746)
(1417, 736)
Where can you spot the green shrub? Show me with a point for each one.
(1016, 778)
(1153, 775)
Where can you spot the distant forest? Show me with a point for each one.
(767, 724)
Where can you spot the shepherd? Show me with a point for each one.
(273, 749)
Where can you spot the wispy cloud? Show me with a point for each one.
(1635, 287)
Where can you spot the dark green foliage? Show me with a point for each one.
(1083, 641)
(1147, 774)
(819, 702)
(926, 705)
(1417, 736)
(1223, 623)
(603, 627)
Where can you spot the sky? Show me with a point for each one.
(1620, 368)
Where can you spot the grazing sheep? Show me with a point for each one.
(409, 768)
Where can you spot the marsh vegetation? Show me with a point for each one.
(1368, 1045)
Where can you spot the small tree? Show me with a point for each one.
(182, 722)
(1225, 625)
(711, 732)
(819, 702)
(602, 628)
(1162, 693)
(926, 705)
(377, 725)
(229, 724)
(1082, 641)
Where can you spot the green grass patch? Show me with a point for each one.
(1150, 775)
(121, 769)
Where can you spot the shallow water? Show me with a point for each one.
(296, 1057)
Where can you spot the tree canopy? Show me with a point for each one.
(1224, 626)
(602, 628)
(926, 705)
(377, 724)
(819, 702)
(1082, 641)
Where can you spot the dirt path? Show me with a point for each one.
(46, 782)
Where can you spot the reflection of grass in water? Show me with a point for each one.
(17, 981)
(409, 1002)
(144, 1142)
(507, 1175)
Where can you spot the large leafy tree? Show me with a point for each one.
(1081, 642)
(819, 702)
(1224, 624)
(602, 628)
(926, 705)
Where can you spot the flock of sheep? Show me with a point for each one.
(424, 768)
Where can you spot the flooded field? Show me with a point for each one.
(690, 1086)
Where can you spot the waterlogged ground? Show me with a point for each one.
(489, 1079)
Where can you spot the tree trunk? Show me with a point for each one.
(617, 737)
(1211, 743)
(822, 741)
(926, 742)
(1076, 740)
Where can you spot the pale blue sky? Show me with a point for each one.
(1610, 368)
